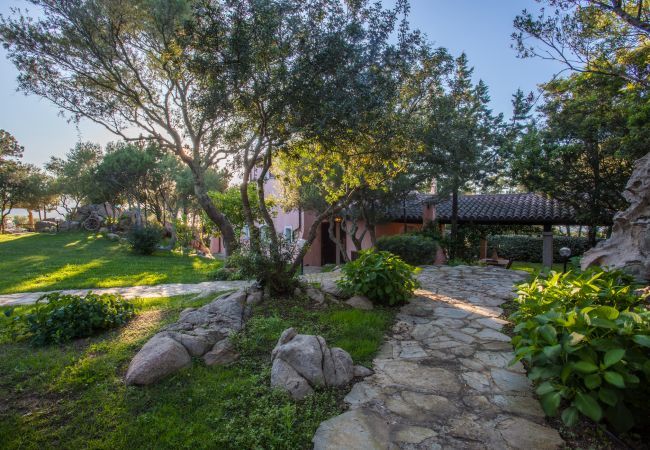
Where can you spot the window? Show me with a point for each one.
(264, 233)
(288, 233)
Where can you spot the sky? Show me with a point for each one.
(480, 28)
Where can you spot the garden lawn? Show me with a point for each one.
(45, 262)
(535, 268)
(73, 395)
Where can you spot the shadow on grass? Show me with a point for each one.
(37, 262)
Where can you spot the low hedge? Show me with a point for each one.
(411, 248)
(529, 248)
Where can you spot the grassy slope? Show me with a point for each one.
(73, 395)
(39, 262)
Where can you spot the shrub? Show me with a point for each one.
(269, 266)
(381, 276)
(586, 339)
(58, 318)
(529, 248)
(228, 274)
(413, 249)
(145, 240)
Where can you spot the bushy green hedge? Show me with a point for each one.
(58, 318)
(529, 248)
(381, 276)
(412, 248)
(586, 339)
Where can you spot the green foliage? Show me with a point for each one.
(58, 318)
(529, 248)
(184, 234)
(381, 276)
(270, 266)
(225, 407)
(413, 249)
(145, 240)
(228, 274)
(230, 203)
(586, 338)
(74, 174)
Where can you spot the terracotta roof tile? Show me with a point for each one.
(527, 208)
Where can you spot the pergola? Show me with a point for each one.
(511, 209)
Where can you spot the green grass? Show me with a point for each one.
(44, 262)
(534, 268)
(73, 395)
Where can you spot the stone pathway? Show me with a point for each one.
(442, 378)
(160, 290)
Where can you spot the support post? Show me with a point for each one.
(483, 248)
(547, 249)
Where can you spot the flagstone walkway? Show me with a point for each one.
(160, 290)
(442, 378)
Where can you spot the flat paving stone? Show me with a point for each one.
(156, 291)
(442, 377)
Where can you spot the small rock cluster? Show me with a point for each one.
(302, 362)
(329, 290)
(202, 332)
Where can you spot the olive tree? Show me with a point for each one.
(125, 66)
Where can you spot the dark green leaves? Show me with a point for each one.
(381, 276)
(588, 406)
(585, 346)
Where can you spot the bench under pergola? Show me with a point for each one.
(511, 209)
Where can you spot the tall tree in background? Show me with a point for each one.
(37, 194)
(606, 37)
(73, 175)
(582, 149)
(459, 134)
(14, 182)
(9, 147)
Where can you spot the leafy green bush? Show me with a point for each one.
(228, 274)
(145, 240)
(413, 249)
(586, 338)
(381, 276)
(58, 318)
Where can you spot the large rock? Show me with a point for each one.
(45, 226)
(202, 332)
(158, 358)
(302, 362)
(69, 225)
(360, 302)
(628, 248)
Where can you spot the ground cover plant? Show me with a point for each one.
(73, 395)
(381, 276)
(586, 338)
(43, 262)
(57, 318)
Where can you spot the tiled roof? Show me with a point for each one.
(406, 209)
(507, 208)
